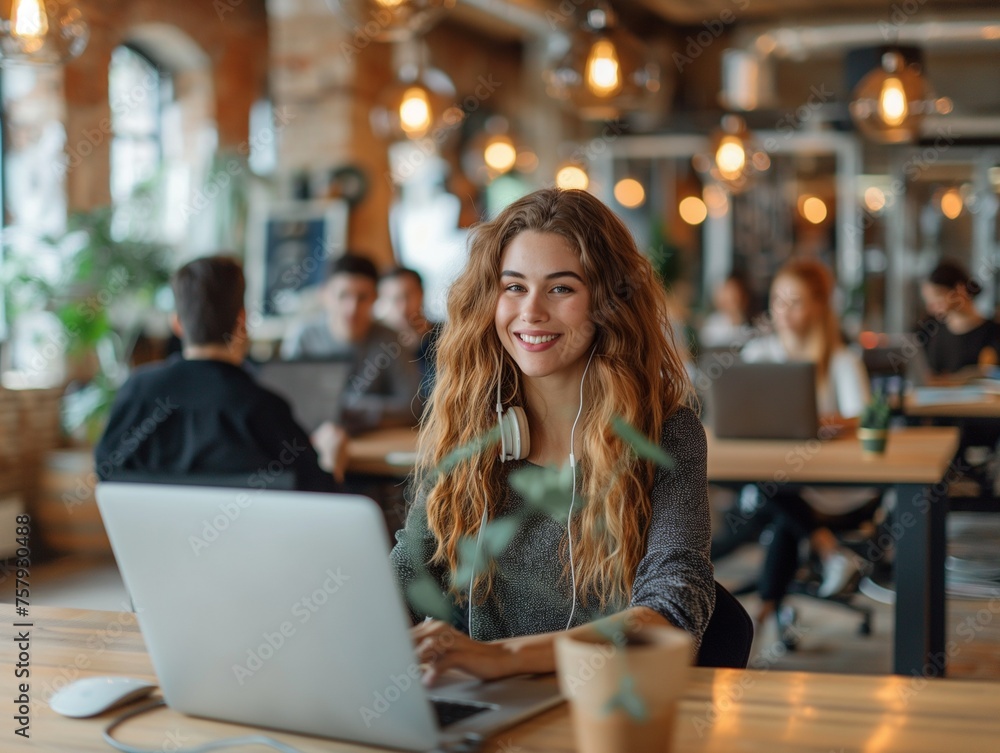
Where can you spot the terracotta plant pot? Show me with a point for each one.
(873, 441)
(623, 691)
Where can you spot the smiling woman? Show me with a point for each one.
(543, 313)
(559, 320)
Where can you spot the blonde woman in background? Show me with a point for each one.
(806, 329)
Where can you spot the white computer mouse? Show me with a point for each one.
(93, 695)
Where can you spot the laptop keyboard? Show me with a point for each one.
(449, 712)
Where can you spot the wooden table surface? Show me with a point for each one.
(368, 453)
(918, 455)
(757, 710)
(914, 455)
(987, 407)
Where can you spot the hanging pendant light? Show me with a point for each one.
(891, 101)
(735, 158)
(605, 71)
(389, 20)
(421, 99)
(42, 32)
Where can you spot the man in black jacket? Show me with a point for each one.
(203, 415)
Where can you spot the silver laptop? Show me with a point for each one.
(281, 610)
(312, 388)
(764, 401)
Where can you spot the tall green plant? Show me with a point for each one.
(95, 278)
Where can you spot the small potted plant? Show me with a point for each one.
(874, 428)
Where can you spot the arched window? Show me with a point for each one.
(138, 90)
(163, 133)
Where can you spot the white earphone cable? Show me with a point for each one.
(572, 499)
(475, 560)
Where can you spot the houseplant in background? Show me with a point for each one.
(874, 426)
(93, 287)
(98, 281)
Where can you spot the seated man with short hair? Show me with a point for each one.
(203, 415)
(401, 299)
(383, 388)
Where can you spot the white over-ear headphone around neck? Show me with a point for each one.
(515, 441)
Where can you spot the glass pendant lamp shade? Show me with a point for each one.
(419, 101)
(46, 32)
(734, 158)
(605, 72)
(891, 101)
(389, 20)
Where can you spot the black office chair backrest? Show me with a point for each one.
(727, 639)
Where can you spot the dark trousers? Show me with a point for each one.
(794, 520)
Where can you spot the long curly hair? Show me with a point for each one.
(636, 373)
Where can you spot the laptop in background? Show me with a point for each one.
(903, 357)
(312, 388)
(764, 401)
(311, 637)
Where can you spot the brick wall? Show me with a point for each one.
(29, 428)
(234, 35)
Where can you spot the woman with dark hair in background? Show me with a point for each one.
(966, 339)
(961, 343)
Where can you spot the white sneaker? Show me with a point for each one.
(839, 569)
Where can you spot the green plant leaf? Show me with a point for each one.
(548, 490)
(639, 444)
(426, 598)
(628, 701)
(467, 560)
(498, 534)
(466, 451)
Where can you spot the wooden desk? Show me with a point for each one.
(988, 407)
(367, 454)
(916, 461)
(725, 711)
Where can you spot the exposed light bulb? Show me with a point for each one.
(415, 112)
(730, 157)
(629, 193)
(813, 209)
(875, 199)
(500, 154)
(389, 3)
(892, 106)
(572, 176)
(603, 69)
(693, 210)
(30, 24)
(951, 204)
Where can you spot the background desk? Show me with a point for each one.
(987, 407)
(367, 454)
(915, 462)
(726, 711)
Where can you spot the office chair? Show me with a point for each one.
(729, 634)
(856, 537)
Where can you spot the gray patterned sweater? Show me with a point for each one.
(675, 577)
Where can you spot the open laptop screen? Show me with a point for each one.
(764, 401)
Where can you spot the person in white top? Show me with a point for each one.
(806, 329)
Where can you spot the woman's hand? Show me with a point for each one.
(441, 647)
